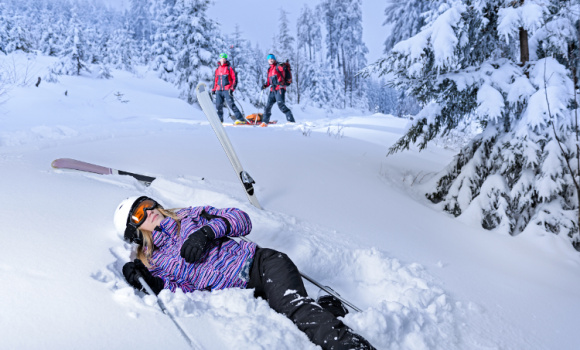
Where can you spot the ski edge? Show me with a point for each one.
(73, 164)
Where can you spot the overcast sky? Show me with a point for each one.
(258, 19)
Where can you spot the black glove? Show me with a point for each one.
(232, 93)
(264, 86)
(213, 92)
(133, 270)
(195, 245)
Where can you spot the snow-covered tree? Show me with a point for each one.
(165, 39)
(141, 28)
(4, 27)
(49, 42)
(284, 42)
(73, 58)
(508, 65)
(404, 19)
(247, 64)
(309, 47)
(198, 44)
(309, 33)
(122, 49)
(381, 98)
(345, 48)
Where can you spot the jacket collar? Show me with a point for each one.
(163, 233)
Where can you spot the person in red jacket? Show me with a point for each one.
(276, 81)
(223, 89)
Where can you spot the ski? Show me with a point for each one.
(204, 100)
(73, 164)
(249, 124)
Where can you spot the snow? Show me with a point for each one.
(530, 16)
(440, 34)
(490, 102)
(347, 215)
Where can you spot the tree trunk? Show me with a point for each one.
(344, 74)
(524, 48)
(297, 80)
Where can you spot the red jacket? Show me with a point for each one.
(225, 77)
(275, 77)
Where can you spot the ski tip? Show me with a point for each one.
(56, 164)
(201, 87)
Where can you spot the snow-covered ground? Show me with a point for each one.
(346, 214)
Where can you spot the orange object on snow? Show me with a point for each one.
(255, 118)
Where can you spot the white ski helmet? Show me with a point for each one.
(122, 214)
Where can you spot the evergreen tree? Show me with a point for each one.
(122, 49)
(141, 27)
(198, 44)
(4, 28)
(284, 50)
(405, 19)
(243, 59)
(474, 62)
(309, 43)
(165, 40)
(309, 33)
(345, 48)
(73, 57)
(18, 37)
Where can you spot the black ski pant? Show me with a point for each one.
(277, 96)
(276, 279)
(220, 97)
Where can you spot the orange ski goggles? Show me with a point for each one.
(137, 216)
(138, 213)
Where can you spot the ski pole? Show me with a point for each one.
(313, 281)
(240, 105)
(191, 343)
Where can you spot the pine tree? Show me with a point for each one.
(473, 62)
(345, 48)
(198, 44)
(309, 44)
(405, 19)
(284, 49)
(18, 37)
(309, 33)
(4, 28)
(73, 58)
(165, 40)
(122, 49)
(142, 29)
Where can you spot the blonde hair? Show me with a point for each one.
(145, 250)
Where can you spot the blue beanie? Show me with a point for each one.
(271, 56)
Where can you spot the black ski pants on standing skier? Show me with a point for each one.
(277, 96)
(220, 97)
(276, 279)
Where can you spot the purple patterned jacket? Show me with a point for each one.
(225, 263)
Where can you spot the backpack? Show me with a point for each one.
(287, 72)
(236, 75)
(255, 118)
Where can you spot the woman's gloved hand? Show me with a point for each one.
(196, 244)
(133, 270)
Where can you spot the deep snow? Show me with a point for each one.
(346, 214)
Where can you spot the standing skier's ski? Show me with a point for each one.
(73, 164)
(205, 103)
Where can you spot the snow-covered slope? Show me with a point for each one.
(347, 215)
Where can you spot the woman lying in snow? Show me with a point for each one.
(190, 249)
